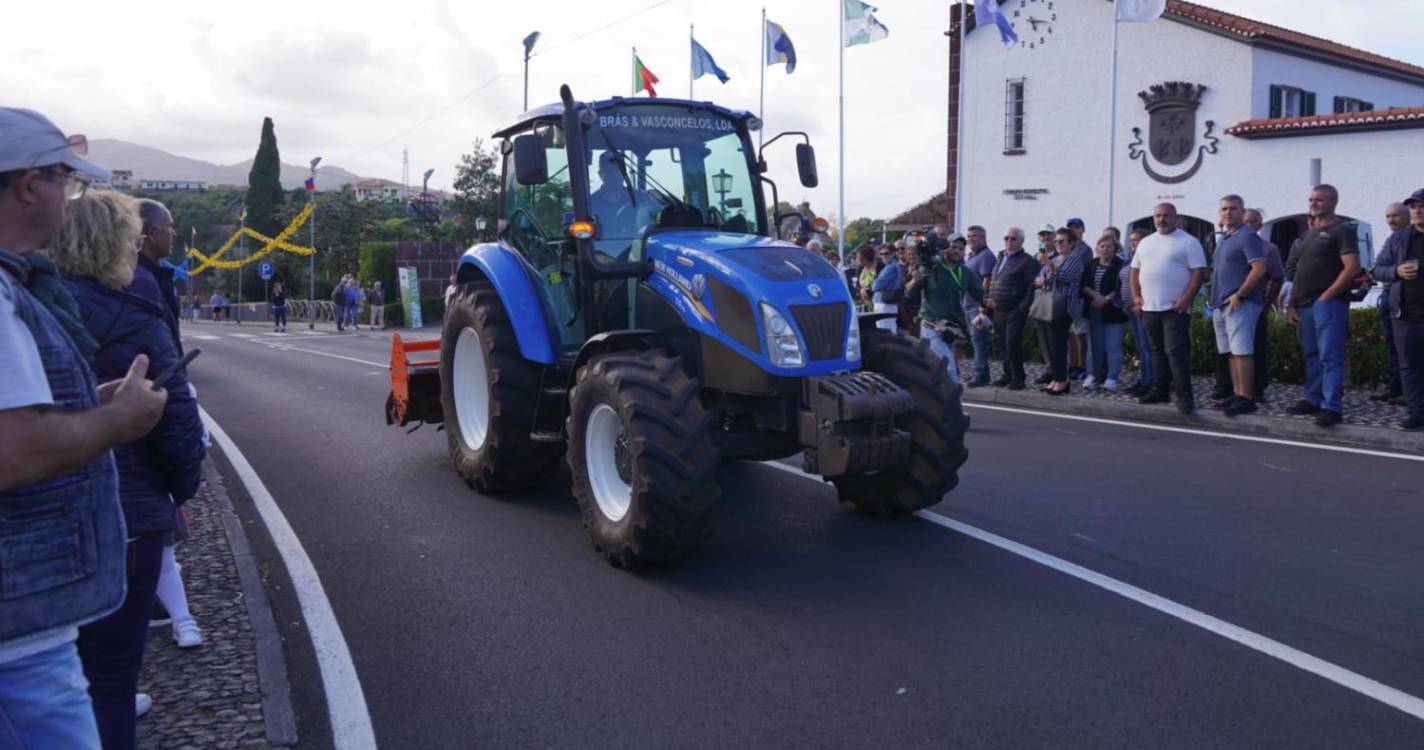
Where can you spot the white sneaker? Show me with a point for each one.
(1090, 383)
(142, 702)
(1112, 385)
(187, 634)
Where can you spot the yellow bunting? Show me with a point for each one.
(268, 245)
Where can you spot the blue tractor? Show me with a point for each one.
(639, 319)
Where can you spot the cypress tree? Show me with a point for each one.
(264, 184)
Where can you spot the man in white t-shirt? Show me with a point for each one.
(1167, 270)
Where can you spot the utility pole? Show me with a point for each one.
(311, 259)
(529, 42)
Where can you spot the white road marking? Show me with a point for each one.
(274, 345)
(1204, 433)
(203, 336)
(243, 335)
(1365, 686)
(346, 703)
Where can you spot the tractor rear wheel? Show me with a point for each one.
(936, 424)
(487, 393)
(641, 454)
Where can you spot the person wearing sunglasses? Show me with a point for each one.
(57, 426)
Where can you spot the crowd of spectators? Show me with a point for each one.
(1088, 300)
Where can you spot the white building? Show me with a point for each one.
(156, 186)
(381, 191)
(1208, 103)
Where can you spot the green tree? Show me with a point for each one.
(861, 230)
(476, 188)
(264, 184)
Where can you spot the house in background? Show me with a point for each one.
(1208, 103)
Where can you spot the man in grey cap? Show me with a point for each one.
(58, 485)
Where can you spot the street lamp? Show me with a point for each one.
(480, 224)
(311, 260)
(529, 42)
(721, 185)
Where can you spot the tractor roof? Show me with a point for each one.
(556, 110)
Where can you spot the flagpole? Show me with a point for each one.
(761, 108)
(959, 120)
(635, 71)
(1112, 122)
(840, 46)
(691, 39)
(242, 248)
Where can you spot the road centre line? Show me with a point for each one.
(1202, 433)
(276, 345)
(346, 703)
(1365, 686)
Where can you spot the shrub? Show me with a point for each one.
(378, 263)
(432, 309)
(395, 314)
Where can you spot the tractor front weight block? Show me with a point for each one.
(846, 424)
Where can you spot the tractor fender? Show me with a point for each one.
(611, 341)
(511, 282)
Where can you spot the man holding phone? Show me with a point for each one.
(1398, 265)
(56, 429)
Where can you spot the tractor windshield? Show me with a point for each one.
(666, 166)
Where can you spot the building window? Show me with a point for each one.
(1289, 101)
(1348, 104)
(1014, 116)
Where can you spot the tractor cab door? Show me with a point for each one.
(536, 219)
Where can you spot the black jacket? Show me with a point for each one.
(166, 465)
(1108, 288)
(1013, 282)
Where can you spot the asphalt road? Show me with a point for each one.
(488, 621)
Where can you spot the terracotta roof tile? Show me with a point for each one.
(1253, 30)
(1399, 117)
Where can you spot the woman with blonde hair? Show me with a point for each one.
(96, 249)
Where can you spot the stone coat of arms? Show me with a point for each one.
(1172, 128)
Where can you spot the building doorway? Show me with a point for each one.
(1203, 230)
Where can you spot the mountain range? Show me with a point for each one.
(148, 163)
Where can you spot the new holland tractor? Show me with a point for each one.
(638, 318)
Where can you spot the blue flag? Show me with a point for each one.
(702, 64)
(986, 13)
(778, 47)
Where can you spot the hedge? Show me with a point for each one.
(1364, 349)
(378, 263)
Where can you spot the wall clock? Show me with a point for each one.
(1033, 21)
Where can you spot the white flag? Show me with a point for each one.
(1139, 10)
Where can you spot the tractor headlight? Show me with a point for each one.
(853, 341)
(781, 343)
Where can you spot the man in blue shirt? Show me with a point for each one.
(1238, 284)
(980, 259)
(886, 291)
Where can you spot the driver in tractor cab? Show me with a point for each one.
(619, 218)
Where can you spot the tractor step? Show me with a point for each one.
(553, 406)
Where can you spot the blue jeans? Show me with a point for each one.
(980, 341)
(1324, 327)
(939, 346)
(44, 702)
(1144, 348)
(1104, 346)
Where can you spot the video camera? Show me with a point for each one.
(927, 246)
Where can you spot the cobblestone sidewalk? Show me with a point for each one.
(206, 697)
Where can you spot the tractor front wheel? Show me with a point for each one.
(936, 424)
(642, 459)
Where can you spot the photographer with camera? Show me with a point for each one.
(950, 294)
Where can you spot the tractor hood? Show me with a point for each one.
(749, 257)
(721, 282)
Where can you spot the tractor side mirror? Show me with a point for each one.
(531, 166)
(805, 164)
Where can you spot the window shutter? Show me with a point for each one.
(1307, 103)
(1276, 95)
(1339, 104)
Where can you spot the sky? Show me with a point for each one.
(355, 83)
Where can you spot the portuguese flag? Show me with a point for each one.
(643, 79)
